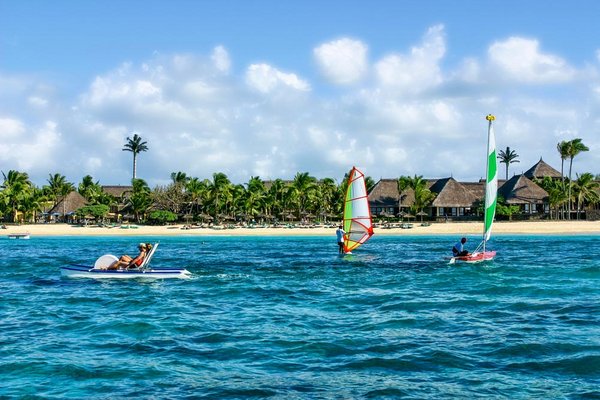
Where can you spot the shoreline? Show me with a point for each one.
(450, 228)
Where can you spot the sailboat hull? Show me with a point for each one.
(477, 257)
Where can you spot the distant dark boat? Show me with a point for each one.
(18, 235)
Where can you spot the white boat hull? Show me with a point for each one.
(82, 271)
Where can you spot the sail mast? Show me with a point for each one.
(491, 182)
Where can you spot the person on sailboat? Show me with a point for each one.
(340, 238)
(127, 262)
(459, 248)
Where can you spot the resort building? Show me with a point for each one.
(462, 200)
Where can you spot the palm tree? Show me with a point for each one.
(575, 147)
(219, 190)
(403, 184)
(16, 187)
(89, 189)
(508, 157)
(179, 177)
(59, 188)
(563, 150)
(135, 146)
(140, 199)
(586, 190)
(557, 193)
(304, 187)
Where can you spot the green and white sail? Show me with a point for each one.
(491, 182)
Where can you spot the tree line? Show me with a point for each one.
(218, 199)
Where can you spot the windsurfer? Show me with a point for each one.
(459, 250)
(340, 238)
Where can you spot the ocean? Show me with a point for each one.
(286, 317)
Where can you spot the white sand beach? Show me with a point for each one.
(450, 228)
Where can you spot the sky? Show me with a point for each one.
(272, 88)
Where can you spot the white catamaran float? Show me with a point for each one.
(358, 223)
(143, 271)
(491, 193)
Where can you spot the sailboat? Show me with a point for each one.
(481, 253)
(358, 223)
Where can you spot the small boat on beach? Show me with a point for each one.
(24, 235)
(98, 271)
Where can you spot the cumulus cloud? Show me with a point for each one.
(342, 61)
(415, 117)
(521, 59)
(220, 58)
(419, 69)
(265, 79)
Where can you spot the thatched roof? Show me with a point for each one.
(521, 190)
(117, 191)
(451, 193)
(541, 170)
(73, 201)
(385, 194)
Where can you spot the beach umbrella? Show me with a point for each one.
(422, 214)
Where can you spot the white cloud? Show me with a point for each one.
(220, 58)
(198, 116)
(419, 69)
(11, 128)
(265, 79)
(342, 61)
(521, 60)
(37, 101)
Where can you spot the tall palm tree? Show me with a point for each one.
(563, 149)
(575, 147)
(135, 146)
(508, 157)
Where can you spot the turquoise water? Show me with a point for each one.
(285, 317)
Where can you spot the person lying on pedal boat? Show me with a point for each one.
(126, 262)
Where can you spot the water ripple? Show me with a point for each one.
(288, 318)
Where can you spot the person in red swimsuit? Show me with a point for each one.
(127, 262)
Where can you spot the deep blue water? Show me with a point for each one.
(286, 317)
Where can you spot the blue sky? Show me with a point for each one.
(270, 88)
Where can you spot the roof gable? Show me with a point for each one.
(521, 190)
(451, 193)
(540, 170)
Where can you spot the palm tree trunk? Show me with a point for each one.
(506, 171)
(134, 164)
(570, 184)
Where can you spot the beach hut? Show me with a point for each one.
(452, 199)
(522, 191)
(65, 209)
(384, 197)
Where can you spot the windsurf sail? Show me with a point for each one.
(491, 182)
(358, 224)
